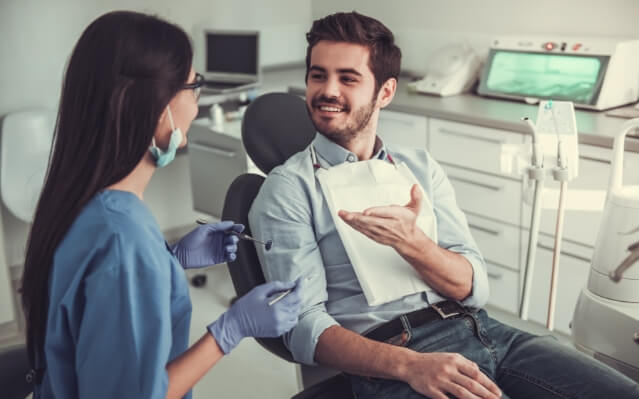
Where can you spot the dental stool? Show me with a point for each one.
(275, 126)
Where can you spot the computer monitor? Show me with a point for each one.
(227, 55)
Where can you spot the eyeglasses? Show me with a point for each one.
(196, 86)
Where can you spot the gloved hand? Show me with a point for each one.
(251, 315)
(207, 245)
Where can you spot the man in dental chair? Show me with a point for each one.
(436, 343)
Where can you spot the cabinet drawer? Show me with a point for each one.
(574, 268)
(469, 146)
(402, 129)
(497, 242)
(491, 196)
(504, 288)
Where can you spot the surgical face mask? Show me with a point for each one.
(163, 158)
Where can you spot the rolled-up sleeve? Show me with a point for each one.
(282, 213)
(454, 235)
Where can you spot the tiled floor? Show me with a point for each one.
(250, 371)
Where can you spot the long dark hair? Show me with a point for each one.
(122, 73)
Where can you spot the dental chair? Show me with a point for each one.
(14, 365)
(275, 126)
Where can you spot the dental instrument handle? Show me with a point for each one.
(556, 255)
(279, 297)
(244, 236)
(536, 174)
(537, 154)
(533, 238)
(267, 245)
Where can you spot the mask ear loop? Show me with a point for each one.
(168, 109)
(170, 118)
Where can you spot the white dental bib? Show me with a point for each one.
(382, 273)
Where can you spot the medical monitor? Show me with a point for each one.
(568, 77)
(595, 73)
(227, 55)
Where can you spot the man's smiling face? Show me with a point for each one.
(340, 90)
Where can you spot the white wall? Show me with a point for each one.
(423, 25)
(36, 39)
(37, 36)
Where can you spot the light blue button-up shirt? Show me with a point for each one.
(291, 210)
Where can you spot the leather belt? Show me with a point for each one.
(437, 311)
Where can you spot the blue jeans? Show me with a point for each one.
(524, 366)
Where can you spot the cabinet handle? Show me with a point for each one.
(495, 232)
(213, 150)
(470, 136)
(578, 257)
(494, 275)
(474, 183)
(587, 158)
(386, 118)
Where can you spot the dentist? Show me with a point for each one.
(105, 298)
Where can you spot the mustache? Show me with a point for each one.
(329, 100)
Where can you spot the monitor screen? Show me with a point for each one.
(574, 78)
(232, 53)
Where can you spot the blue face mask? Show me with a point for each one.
(163, 158)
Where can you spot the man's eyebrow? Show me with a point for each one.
(349, 70)
(317, 68)
(341, 70)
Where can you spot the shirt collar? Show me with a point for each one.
(335, 154)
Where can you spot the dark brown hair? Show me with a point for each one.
(123, 71)
(385, 57)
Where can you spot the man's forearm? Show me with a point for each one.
(345, 350)
(450, 273)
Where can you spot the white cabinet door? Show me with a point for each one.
(471, 146)
(497, 242)
(504, 288)
(402, 129)
(491, 196)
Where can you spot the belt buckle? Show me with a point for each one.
(442, 314)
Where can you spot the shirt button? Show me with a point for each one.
(350, 158)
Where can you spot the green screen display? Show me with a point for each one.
(557, 76)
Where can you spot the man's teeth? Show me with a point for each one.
(330, 109)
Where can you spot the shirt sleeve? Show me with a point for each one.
(124, 339)
(282, 212)
(454, 235)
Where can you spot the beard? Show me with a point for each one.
(359, 119)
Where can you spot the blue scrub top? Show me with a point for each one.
(119, 306)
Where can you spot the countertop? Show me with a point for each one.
(595, 128)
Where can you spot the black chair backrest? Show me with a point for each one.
(276, 126)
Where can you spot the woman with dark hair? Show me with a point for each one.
(106, 299)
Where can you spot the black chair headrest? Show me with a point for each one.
(276, 126)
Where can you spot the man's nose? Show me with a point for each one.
(331, 88)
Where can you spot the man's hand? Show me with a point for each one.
(437, 374)
(392, 225)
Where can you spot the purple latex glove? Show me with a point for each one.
(208, 245)
(251, 315)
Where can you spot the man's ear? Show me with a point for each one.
(387, 92)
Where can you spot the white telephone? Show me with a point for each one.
(452, 69)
